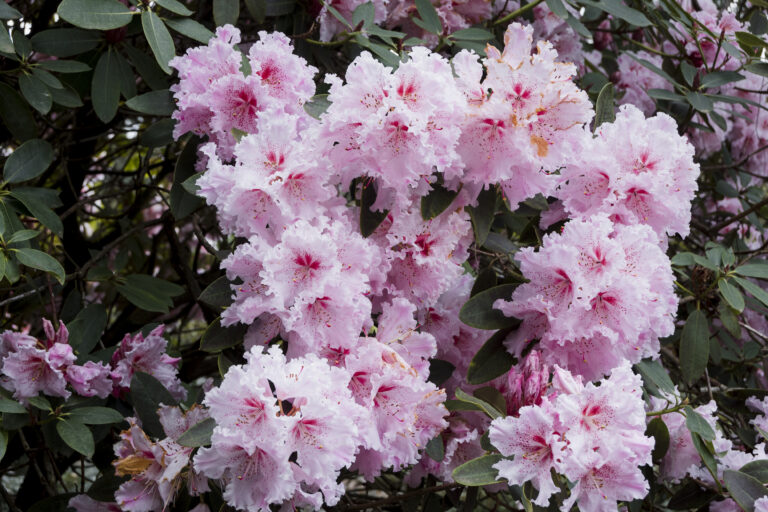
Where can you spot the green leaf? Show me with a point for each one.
(40, 402)
(758, 68)
(11, 406)
(750, 40)
(257, 9)
(492, 396)
(284, 7)
(479, 312)
(158, 134)
(479, 471)
(95, 415)
(706, 452)
(653, 68)
(473, 34)
(16, 115)
(23, 235)
(105, 86)
(658, 430)
(482, 214)
(86, 328)
(317, 105)
(718, 78)
(217, 294)
(729, 319)
(757, 469)
(149, 293)
(36, 93)
(604, 110)
(190, 28)
(21, 45)
(29, 161)
(217, 338)
(31, 199)
(694, 346)
(364, 13)
(620, 10)
(174, 6)
(3, 443)
(696, 423)
(479, 403)
(198, 434)
(758, 270)
(753, 289)
(369, 219)
(182, 202)
(731, 294)
(190, 184)
(743, 488)
(47, 78)
(688, 72)
(156, 103)
(7, 12)
(64, 66)
(95, 14)
(226, 12)
(77, 436)
(66, 97)
(436, 449)
(429, 16)
(437, 201)
(491, 361)
(42, 261)
(147, 393)
(690, 497)
(159, 39)
(663, 94)
(65, 42)
(699, 101)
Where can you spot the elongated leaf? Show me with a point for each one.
(479, 312)
(752, 288)
(369, 219)
(482, 214)
(64, 66)
(731, 294)
(317, 105)
(437, 201)
(429, 16)
(76, 435)
(159, 39)
(658, 430)
(217, 338)
(87, 327)
(491, 361)
(694, 346)
(757, 469)
(95, 415)
(744, 489)
(174, 6)
(105, 86)
(604, 110)
(198, 434)
(31, 199)
(28, 161)
(436, 449)
(218, 294)
(226, 12)
(699, 101)
(754, 269)
(36, 93)
(147, 393)
(479, 471)
(695, 422)
(473, 34)
(758, 68)
(190, 28)
(182, 202)
(156, 103)
(95, 14)
(663, 94)
(7, 12)
(619, 10)
(65, 42)
(42, 261)
(149, 293)
(479, 403)
(16, 114)
(11, 406)
(718, 78)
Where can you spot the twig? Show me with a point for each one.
(400, 497)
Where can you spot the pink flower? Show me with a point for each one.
(90, 379)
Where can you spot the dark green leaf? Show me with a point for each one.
(217, 294)
(95, 415)
(42, 261)
(157, 135)
(64, 66)
(696, 423)
(491, 361)
(694, 346)
(198, 434)
(690, 497)
(437, 201)
(105, 86)
(688, 71)
(750, 40)
(482, 214)
(486, 279)
(653, 373)
(429, 16)
(77, 436)
(283, 7)
(663, 94)
(479, 312)
(440, 371)
(149, 293)
(257, 9)
(28, 161)
(7, 12)
(477, 472)
(718, 78)
(190, 184)
(492, 396)
(369, 220)
(156, 103)
(363, 13)
(744, 489)
(706, 452)
(731, 294)
(11, 406)
(317, 105)
(174, 6)
(95, 14)
(753, 289)
(16, 115)
(190, 28)
(758, 270)
(226, 12)
(21, 45)
(30, 198)
(182, 202)
(23, 235)
(699, 101)
(159, 39)
(658, 430)
(87, 327)
(479, 403)
(604, 110)
(66, 97)
(65, 42)
(473, 34)
(620, 10)
(757, 469)
(36, 93)
(436, 449)
(216, 337)
(147, 393)
(3, 443)
(40, 402)
(758, 68)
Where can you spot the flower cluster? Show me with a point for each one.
(30, 366)
(592, 435)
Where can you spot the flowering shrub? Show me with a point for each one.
(409, 255)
